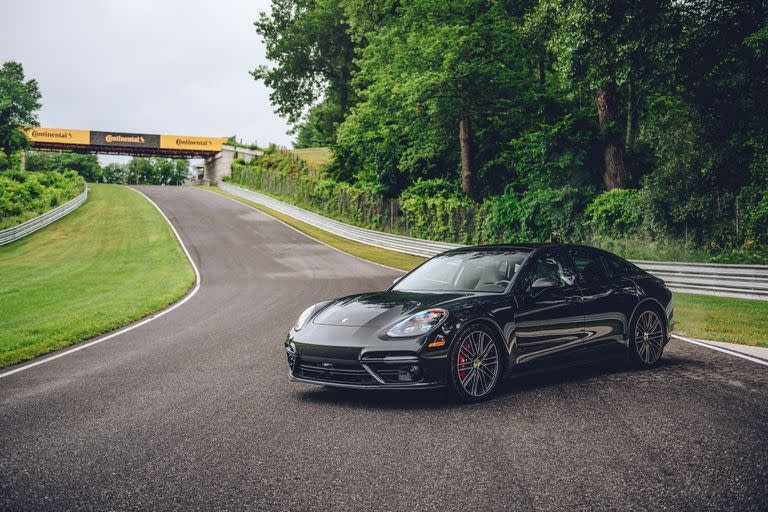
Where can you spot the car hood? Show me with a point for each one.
(380, 308)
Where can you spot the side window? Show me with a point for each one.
(550, 266)
(615, 266)
(589, 266)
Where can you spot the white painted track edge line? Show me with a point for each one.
(146, 320)
(734, 353)
(313, 238)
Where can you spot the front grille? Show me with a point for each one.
(333, 374)
(379, 368)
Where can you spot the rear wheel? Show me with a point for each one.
(475, 364)
(646, 343)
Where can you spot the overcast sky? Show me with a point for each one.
(165, 66)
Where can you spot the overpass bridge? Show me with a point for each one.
(216, 154)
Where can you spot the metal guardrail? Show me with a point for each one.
(741, 281)
(27, 228)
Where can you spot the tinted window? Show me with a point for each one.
(589, 266)
(550, 266)
(615, 266)
(482, 271)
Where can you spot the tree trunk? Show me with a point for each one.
(614, 172)
(465, 142)
(345, 79)
(542, 70)
(631, 114)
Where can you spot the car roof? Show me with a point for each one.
(502, 247)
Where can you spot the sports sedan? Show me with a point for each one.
(470, 317)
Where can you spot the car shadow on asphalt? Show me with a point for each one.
(442, 399)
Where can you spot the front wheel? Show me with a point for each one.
(475, 364)
(647, 341)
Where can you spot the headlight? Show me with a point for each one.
(307, 314)
(418, 324)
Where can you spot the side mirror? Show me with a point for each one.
(543, 283)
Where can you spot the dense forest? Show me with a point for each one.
(590, 120)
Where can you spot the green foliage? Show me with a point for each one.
(19, 102)
(284, 176)
(309, 42)
(540, 215)
(436, 209)
(615, 213)
(232, 141)
(24, 195)
(86, 166)
(669, 95)
(156, 171)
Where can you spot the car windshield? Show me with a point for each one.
(471, 271)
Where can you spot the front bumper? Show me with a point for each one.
(417, 385)
(364, 362)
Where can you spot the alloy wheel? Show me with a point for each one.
(477, 363)
(649, 337)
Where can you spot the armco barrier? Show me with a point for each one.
(742, 281)
(27, 228)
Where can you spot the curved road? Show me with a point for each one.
(194, 410)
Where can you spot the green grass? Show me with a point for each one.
(722, 319)
(110, 262)
(699, 316)
(675, 250)
(315, 157)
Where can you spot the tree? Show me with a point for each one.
(157, 171)
(309, 43)
(86, 166)
(601, 46)
(19, 102)
(434, 84)
(115, 173)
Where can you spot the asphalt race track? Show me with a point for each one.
(194, 411)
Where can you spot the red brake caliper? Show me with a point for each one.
(462, 360)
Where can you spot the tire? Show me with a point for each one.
(475, 364)
(647, 335)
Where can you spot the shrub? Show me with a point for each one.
(615, 213)
(536, 216)
(24, 195)
(437, 210)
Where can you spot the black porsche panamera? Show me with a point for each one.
(470, 317)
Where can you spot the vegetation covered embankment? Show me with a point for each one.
(435, 209)
(26, 195)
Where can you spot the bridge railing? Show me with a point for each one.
(27, 228)
(741, 281)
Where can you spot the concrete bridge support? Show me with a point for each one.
(220, 165)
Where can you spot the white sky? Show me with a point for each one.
(164, 66)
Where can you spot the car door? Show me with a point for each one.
(609, 297)
(548, 320)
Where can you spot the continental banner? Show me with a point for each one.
(194, 143)
(58, 135)
(125, 140)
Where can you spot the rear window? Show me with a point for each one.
(618, 267)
